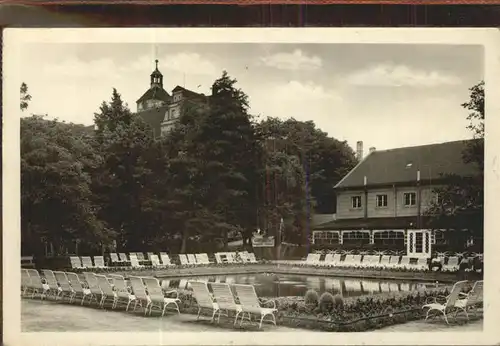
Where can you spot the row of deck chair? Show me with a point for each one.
(235, 257)
(244, 302)
(376, 261)
(145, 292)
(457, 300)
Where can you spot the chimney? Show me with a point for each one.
(359, 150)
(372, 149)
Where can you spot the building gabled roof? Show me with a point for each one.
(188, 93)
(155, 93)
(395, 166)
(154, 117)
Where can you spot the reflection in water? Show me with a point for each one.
(273, 285)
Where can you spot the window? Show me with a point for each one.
(395, 238)
(356, 202)
(326, 237)
(381, 201)
(437, 199)
(356, 237)
(409, 199)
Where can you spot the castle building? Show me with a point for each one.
(161, 110)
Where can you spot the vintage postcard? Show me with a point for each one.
(250, 186)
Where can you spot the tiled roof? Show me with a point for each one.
(155, 93)
(188, 93)
(400, 165)
(154, 117)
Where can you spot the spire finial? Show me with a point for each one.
(156, 61)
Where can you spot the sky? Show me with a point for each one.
(387, 96)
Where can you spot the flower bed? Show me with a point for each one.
(353, 314)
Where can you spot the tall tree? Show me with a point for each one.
(25, 97)
(56, 196)
(461, 200)
(121, 183)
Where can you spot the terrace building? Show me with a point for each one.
(161, 110)
(381, 202)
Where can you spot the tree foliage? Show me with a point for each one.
(461, 200)
(25, 97)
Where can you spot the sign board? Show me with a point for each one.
(262, 241)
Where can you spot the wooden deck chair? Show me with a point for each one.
(66, 288)
(203, 298)
(249, 302)
(243, 257)
(140, 256)
(356, 259)
(25, 281)
(421, 264)
(452, 265)
(393, 287)
(123, 257)
(218, 258)
(471, 299)
(157, 296)
(393, 262)
(192, 259)
(76, 262)
(93, 285)
(225, 300)
(148, 255)
(371, 286)
(200, 259)
(87, 262)
(372, 261)
(184, 260)
(405, 263)
(134, 262)
(327, 262)
(165, 259)
(107, 291)
(36, 284)
(155, 261)
(78, 287)
(50, 279)
(449, 301)
(348, 261)
(114, 258)
(384, 261)
(99, 262)
(122, 290)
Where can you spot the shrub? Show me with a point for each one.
(311, 298)
(338, 302)
(326, 302)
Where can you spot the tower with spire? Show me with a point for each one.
(155, 96)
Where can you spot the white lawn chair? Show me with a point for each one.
(249, 302)
(225, 300)
(204, 298)
(66, 288)
(51, 281)
(78, 287)
(107, 291)
(192, 259)
(93, 285)
(25, 281)
(184, 260)
(371, 261)
(114, 258)
(76, 262)
(99, 262)
(231, 257)
(471, 299)
(348, 261)
(165, 259)
(139, 291)
(123, 257)
(421, 264)
(140, 256)
(218, 258)
(449, 303)
(122, 290)
(36, 284)
(328, 261)
(452, 265)
(87, 262)
(157, 296)
(312, 259)
(134, 262)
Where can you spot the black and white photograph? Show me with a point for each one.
(250, 184)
